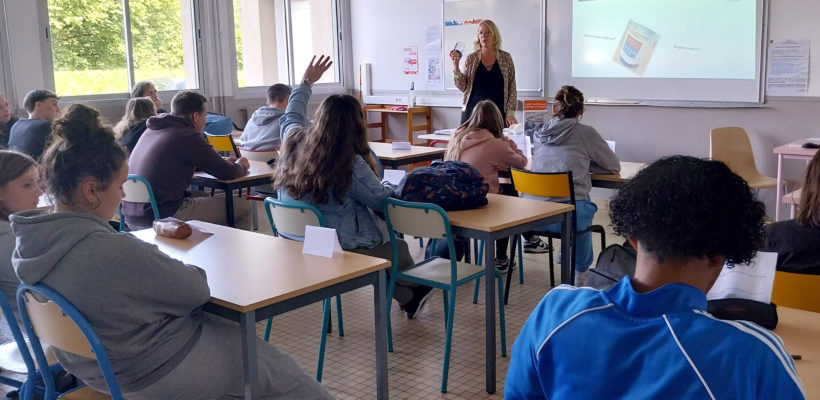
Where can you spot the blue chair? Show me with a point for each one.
(138, 190)
(290, 218)
(56, 321)
(430, 221)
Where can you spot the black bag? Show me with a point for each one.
(614, 262)
(453, 185)
(762, 314)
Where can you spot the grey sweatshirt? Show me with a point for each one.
(8, 279)
(262, 131)
(144, 306)
(568, 145)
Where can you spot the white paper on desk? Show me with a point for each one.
(321, 241)
(401, 145)
(394, 175)
(751, 281)
(521, 142)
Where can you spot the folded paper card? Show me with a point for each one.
(394, 175)
(401, 145)
(321, 241)
(752, 281)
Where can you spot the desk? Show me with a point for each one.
(800, 331)
(793, 150)
(266, 276)
(259, 174)
(506, 216)
(393, 158)
(614, 181)
(388, 109)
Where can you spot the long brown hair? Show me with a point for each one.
(12, 166)
(137, 109)
(485, 116)
(809, 212)
(320, 157)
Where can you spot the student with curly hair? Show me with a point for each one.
(649, 336)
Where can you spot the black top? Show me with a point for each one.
(132, 135)
(797, 247)
(30, 136)
(487, 85)
(5, 129)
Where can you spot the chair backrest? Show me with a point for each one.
(22, 347)
(57, 322)
(222, 143)
(423, 220)
(796, 291)
(291, 217)
(259, 155)
(543, 184)
(138, 190)
(731, 145)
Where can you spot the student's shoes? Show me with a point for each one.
(421, 294)
(536, 246)
(503, 264)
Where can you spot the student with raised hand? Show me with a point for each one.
(132, 125)
(797, 241)
(19, 191)
(263, 131)
(168, 154)
(326, 164)
(145, 306)
(649, 336)
(31, 135)
(7, 120)
(565, 144)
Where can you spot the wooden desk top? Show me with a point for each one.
(505, 211)
(259, 169)
(248, 270)
(385, 151)
(800, 331)
(628, 170)
(795, 148)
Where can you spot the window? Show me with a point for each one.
(276, 38)
(91, 52)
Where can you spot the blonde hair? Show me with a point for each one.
(496, 35)
(486, 115)
(808, 214)
(137, 109)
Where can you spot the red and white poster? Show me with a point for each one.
(411, 60)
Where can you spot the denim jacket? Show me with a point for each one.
(350, 216)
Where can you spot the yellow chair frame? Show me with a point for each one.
(801, 291)
(222, 143)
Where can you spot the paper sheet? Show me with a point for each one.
(394, 176)
(788, 70)
(751, 281)
(321, 241)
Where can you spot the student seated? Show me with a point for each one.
(565, 144)
(168, 154)
(31, 135)
(145, 307)
(132, 125)
(7, 120)
(19, 191)
(329, 165)
(147, 89)
(262, 132)
(797, 241)
(649, 336)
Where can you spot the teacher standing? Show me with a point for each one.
(489, 74)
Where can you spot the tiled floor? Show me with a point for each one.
(414, 368)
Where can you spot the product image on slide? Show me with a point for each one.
(635, 49)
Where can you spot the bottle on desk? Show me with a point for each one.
(411, 96)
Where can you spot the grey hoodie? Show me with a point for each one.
(568, 145)
(144, 306)
(262, 131)
(8, 279)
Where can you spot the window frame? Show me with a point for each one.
(114, 99)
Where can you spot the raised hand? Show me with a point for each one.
(314, 71)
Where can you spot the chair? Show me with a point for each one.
(794, 290)
(290, 219)
(138, 190)
(259, 195)
(57, 322)
(222, 143)
(430, 221)
(731, 145)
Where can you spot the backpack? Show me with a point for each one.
(614, 262)
(453, 185)
(217, 124)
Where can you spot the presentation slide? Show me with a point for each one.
(695, 39)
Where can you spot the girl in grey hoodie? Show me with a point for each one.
(145, 307)
(565, 144)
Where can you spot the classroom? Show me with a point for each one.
(297, 139)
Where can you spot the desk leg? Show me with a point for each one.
(250, 373)
(489, 306)
(380, 305)
(229, 207)
(567, 256)
(779, 192)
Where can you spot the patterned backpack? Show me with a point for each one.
(453, 185)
